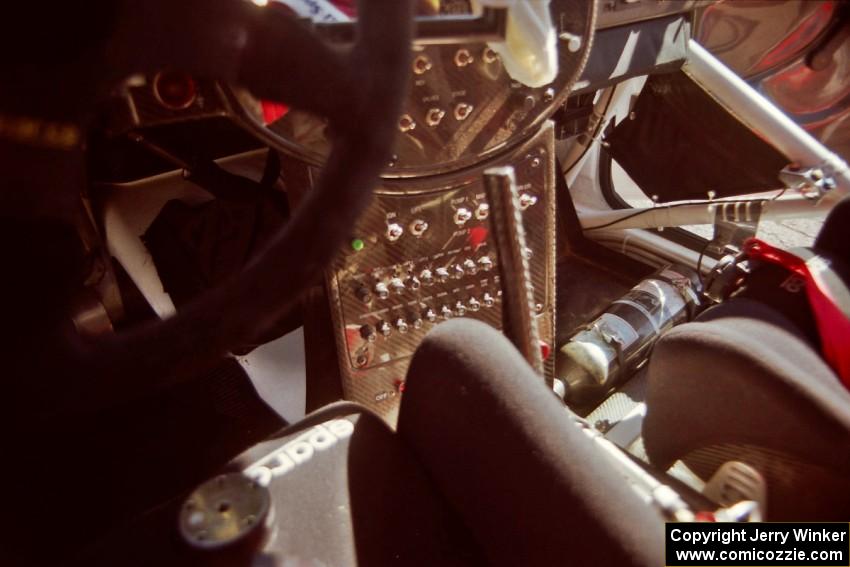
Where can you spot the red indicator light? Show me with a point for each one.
(273, 111)
(545, 350)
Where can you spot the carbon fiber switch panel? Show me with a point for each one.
(423, 253)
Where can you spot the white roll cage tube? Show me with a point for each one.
(705, 212)
(771, 124)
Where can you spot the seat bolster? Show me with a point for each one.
(534, 489)
(741, 373)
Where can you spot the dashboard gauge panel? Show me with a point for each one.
(462, 105)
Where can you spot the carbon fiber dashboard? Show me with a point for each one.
(462, 106)
(423, 254)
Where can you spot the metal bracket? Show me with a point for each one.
(812, 182)
(734, 223)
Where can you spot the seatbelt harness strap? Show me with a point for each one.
(828, 295)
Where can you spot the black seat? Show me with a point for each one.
(746, 382)
(486, 468)
(345, 491)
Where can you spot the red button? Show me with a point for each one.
(477, 236)
(545, 350)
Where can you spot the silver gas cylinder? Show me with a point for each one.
(619, 341)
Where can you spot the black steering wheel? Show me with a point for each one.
(276, 57)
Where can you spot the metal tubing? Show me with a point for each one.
(761, 116)
(701, 213)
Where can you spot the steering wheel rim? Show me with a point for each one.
(366, 86)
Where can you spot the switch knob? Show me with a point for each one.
(485, 263)
(474, 304)
(462, 111)
(442, 274)
(384, 328)
(381, 290)
(426, 277)
(435, 116)
(429, 315)
(406, 123)
(470, 267)
(394, 232)
(460, 309)
(527, 200)
(463, 58)
(396, 285)
(462, 215)
(401, 325)
(363, 294)
(418, 227)
(422, 64)
(368, 333)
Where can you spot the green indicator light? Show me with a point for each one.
(357, 245)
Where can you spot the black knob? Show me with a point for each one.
(363, 294)
(368, 333)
